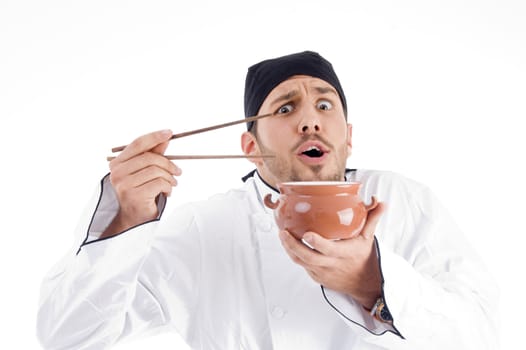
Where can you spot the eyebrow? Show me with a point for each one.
(325, 90)
(285, 97)
(289, 95)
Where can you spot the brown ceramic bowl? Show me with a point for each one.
(332, 209)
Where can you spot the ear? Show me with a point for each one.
(250, 147)
(349, 140)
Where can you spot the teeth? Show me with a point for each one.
(313, 151)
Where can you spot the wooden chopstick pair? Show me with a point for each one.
(209, 128)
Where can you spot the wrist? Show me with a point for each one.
(370, 302)
(117, 225)
(371, 283)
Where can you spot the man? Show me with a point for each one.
(221, 273)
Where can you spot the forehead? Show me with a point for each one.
(298, 82)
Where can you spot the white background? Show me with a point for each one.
(436, 91)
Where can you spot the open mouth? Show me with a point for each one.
(313, 152)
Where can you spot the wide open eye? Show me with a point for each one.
(324, 105)
(285, 109)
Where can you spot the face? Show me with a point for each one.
(308, 137)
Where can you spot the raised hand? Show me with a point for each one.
(139, 174)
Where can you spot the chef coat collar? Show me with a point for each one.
(263, 188)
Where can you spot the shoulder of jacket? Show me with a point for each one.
(387, 178)
(389, 184)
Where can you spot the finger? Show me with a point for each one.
(145, 143)
(372, 220)
(302, 254)
(294, 257)
(155, 187)
(133, 165)
(325, 246)
(146, 175)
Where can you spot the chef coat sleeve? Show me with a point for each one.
(113, 288)
(436, 287)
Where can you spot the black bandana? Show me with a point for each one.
(263, 77)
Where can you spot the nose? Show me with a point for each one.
(309, 124)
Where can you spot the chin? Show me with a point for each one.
(317, 174)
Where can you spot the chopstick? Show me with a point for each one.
(224, 156)
(209, 128)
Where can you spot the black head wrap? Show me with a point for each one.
(264, 76)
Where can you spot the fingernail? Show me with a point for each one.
(166, 132)
(308, 238)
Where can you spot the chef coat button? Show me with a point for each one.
(278, 312)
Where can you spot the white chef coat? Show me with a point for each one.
(215, 271)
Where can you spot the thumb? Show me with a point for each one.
(161, 147)
(372, 220)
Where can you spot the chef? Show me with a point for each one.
(221, 274)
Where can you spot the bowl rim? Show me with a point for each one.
(319, 183)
